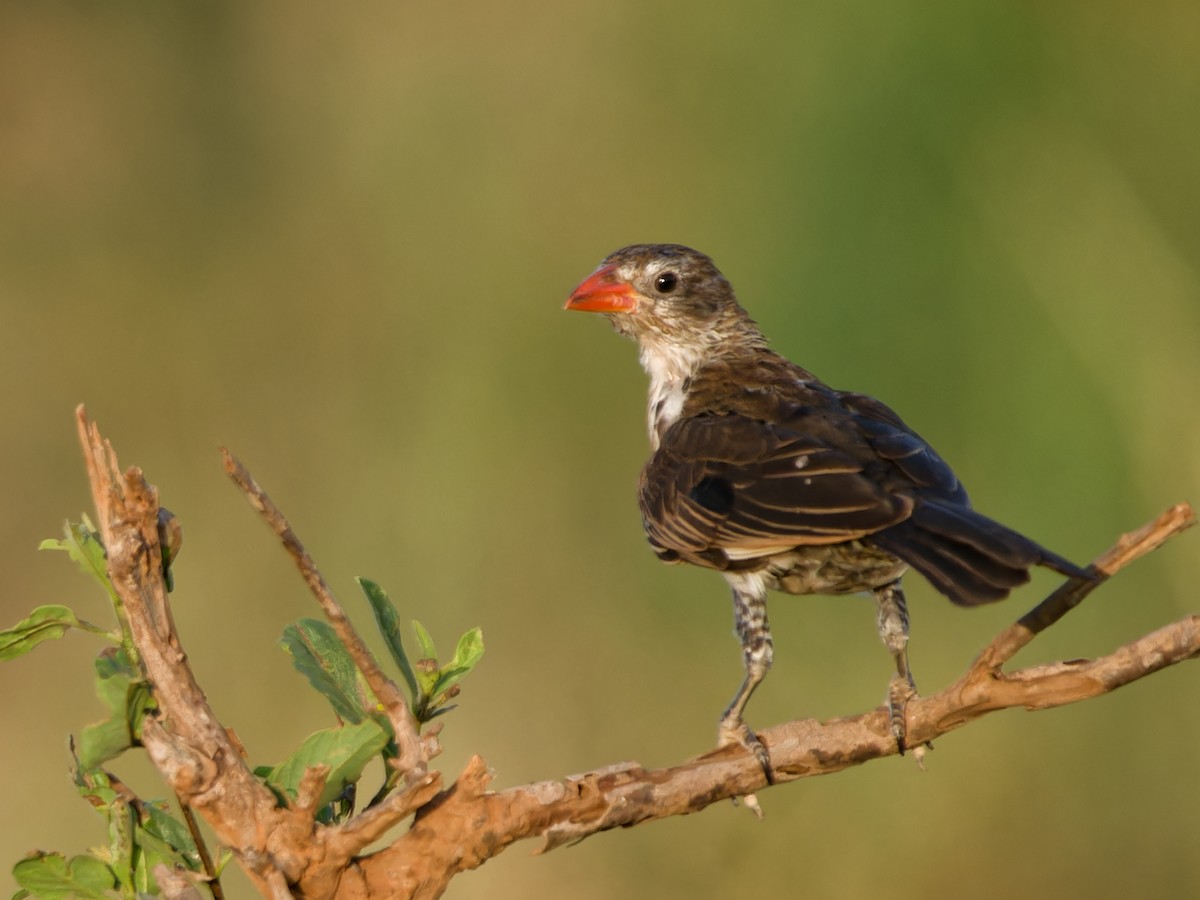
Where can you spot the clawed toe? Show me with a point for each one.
(738, 732)
(900, 691)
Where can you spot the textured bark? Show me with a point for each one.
(287, 853)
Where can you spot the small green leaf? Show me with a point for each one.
(388, 622)
(427, 678)
(152, 850)
(82, 542)
(43, 624)
(102, 741)
(159, 824)
(114, 674)
(319, 656)
(170, 542)
(428, 650)
(122, 689)
(94, 784)
(49, 875)
(121, 819)
(346, 750)
(468, 652)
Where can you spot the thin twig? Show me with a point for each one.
(411, 760)
(1128, 548)
(206, 861)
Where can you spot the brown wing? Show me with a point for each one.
(726, 485)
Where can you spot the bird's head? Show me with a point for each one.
(666, 295)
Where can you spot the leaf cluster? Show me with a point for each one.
(144, 834)
(365, 731)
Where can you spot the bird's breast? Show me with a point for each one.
(670, 366)
(664, 407)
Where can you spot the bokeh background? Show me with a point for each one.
(337, 241)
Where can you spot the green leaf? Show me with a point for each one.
(159, 829)
(43, 624)
(120, 686)
(121, 823)
(115, 672)
(102, 741)
(468, 652)
(427, 677)
(319, 656)
(346, 750)
(94, 785)
(152, 850)
(388, 622)
(170, 542)
(49, 875)
(428, 650)
(82, 542)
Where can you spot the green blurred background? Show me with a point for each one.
(338, 241)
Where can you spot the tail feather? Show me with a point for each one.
(967, 556)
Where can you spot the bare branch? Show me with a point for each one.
(476, 824)
(411, 761)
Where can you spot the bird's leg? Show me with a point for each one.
(893, 631)
(753, 630)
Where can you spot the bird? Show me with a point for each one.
(761, 471)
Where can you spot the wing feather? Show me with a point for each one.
(727, 482)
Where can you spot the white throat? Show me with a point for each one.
(669, 366)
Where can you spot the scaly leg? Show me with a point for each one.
(893, 631)
(754, 632)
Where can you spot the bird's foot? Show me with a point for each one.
(900, 691)
(735, 731)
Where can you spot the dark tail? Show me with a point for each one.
(967, 556)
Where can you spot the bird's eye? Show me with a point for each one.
(666, 282)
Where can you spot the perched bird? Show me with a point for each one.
(763, 472)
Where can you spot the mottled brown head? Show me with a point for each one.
(666, 292)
